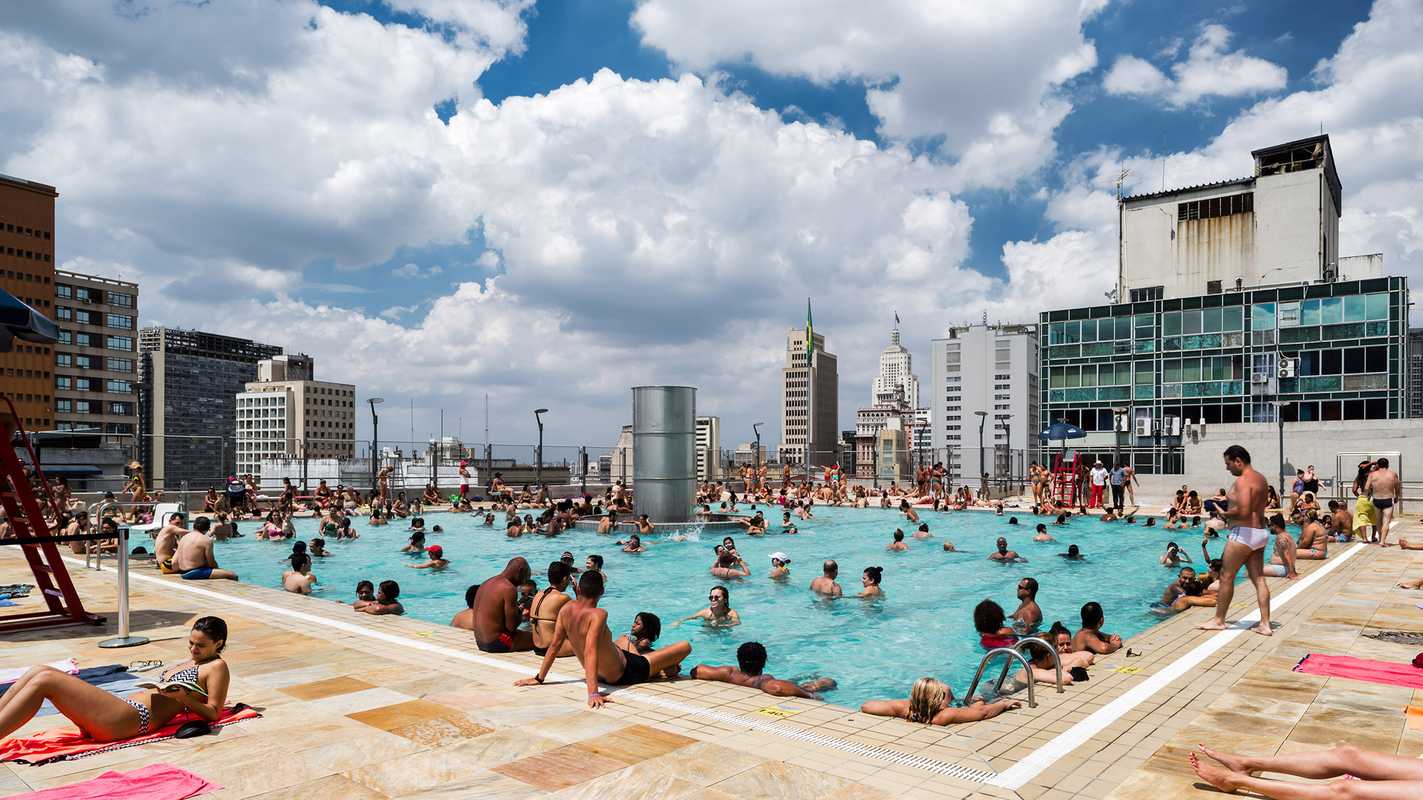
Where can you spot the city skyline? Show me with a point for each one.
(399, 252)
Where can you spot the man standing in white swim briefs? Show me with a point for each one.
(1245, 514)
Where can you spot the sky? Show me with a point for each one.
(548, 203)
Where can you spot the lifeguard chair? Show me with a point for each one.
(26, 517)
(1064, 478)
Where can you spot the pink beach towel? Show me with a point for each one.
(1362, 669)
(153, 782)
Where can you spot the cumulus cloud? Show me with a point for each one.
(1209, 70)
(986, 79)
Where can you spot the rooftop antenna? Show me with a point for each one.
(486, 418)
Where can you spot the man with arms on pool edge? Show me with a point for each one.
(586, 626)
(1245, 513)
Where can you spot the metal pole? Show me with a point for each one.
(123, 639)
(756, 455)
(1280, 416)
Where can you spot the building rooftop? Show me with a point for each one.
(32, 186)
(1184, 189)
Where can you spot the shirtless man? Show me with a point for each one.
(749, 672)
(923, 531)
(898, 544)
(583, 623)
(497, 614)
(298, 579)
(1341, 520)
(1042, 535)
(1383, 486)
(1245, 546)
(825, 585)
(644, 526)
(463, 620)
(194, 557)
(166, 542)
(1313, 541)
(1003, 553)
(1090, 636)
(1028, 615)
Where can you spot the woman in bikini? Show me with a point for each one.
(543, 613)
(104, 717)
(931, 703)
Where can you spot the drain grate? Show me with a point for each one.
(1397, 637)
(925, 763)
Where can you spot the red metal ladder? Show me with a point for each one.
(1064, 481)
(23, 511)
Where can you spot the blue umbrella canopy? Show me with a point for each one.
(19, 321)
(1061, 430)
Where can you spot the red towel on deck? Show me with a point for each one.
(66, 743)
(1362, 669)
(153, 782)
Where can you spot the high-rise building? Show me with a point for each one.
(1415, 372)
(797, 418)
(896, 379)
(96, 359)
(27, 272)
(992, 371)
(708, 449)
(1233, 306)
(187, 411)
(287, 413)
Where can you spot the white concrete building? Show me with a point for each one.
(1279, 225)
(745, 455)
(708, 449)
(286, 413)
(821, 421)
(896, 378)
(992, 369)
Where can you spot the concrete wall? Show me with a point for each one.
(1317, 443)
(1289, 209)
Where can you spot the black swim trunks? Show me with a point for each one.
(1382, 503)
(504, 644)
(636, 669)
(540, 651)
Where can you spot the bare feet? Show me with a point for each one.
(1263, 629)
(1211, 625)
(1230, 762)
(1219, 777)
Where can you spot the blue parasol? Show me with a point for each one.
(1061, 430)
(19, 321)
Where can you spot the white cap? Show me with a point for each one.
(781, 557)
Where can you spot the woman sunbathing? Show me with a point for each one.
(1379, 776)
(105, 717)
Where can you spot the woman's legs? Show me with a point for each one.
(1346, 760)
(95, 711)
(667, 657)
(1229, 781)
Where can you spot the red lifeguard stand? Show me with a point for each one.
(1064, 478)
(23, 510)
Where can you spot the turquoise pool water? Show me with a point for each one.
(923, 626)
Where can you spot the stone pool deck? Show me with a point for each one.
(382, 707)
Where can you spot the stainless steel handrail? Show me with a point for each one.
(1035, 640)
(1011, 654)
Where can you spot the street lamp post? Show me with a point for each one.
(1280, 421)
(539, 453)
(756, 455)
(982, 417)
(375, 437)
(1118, 412)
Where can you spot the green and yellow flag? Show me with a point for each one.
(809, 333)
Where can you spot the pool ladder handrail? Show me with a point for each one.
(1015, 653)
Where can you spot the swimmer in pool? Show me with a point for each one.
(871, 578)
(1042, 535)
(1090, 637)
(750, 672)
(1003, 554)
(1028, 616)
(825, 585)
(898, 544)
(607, 524)
(931, 703)
(923, 532)
(719, 614)
(780, 566)
(949, 547)
(1073, 553)
(1173, 556)
(908, 511)
(729, 566)
(633, 545)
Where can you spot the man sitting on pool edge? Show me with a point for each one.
(497, 614)
(582, 622)
(749, 672)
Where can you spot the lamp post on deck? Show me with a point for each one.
(982, 417)
(375, 437)
(539, 453)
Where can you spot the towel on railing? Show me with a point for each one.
(68, 743)
(153, 782)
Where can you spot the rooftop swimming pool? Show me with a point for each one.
(873, 648)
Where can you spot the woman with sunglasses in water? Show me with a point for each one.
(105, 717)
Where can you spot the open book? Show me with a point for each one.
(163, 686)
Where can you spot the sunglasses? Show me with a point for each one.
(713, 597)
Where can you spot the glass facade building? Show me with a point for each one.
(1149, 368)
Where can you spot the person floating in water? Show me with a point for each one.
(931, 702)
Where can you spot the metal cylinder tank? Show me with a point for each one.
(664, 440)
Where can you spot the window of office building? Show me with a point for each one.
(120, 299)
(124, 343)
(121, 321)
(121, 364)
(63, 291)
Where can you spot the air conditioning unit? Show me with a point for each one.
(1287, 368)
(1143, 426)
(1259, 378)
